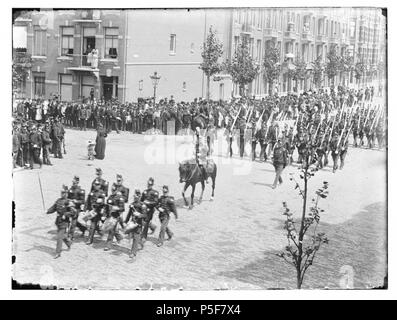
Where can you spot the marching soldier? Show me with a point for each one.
(165, 207)
(120, 188)
(76, 195)
(115, 213)
(343, 150)
(135, 221)
(58, 133)
(62, 220)
(103, 183)
(334, 150)
(150, 198)
(96, 204)
(261, 136)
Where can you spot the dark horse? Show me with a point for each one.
(199, 121)
(190, 173)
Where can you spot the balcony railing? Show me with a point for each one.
(83, 62)
(307, 36)
(290, 35)
(321, 38)
(270, 32)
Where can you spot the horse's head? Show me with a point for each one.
(183, 171)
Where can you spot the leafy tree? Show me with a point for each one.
(21, 64)
(346, 65)
(242, 67)
(318, 71)
(304, 241)
(359, 70)
(271, 66)
(299, 71)
(212, 50)
(333, 64)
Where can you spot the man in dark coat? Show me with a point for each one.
(280, 161)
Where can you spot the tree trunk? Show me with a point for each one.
(270, 88)
(208, 88)
(301, 234)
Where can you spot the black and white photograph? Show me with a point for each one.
(199, 148)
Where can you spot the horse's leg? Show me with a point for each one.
(192, 196)
(213, 178)
(183, 194)
(202, 190)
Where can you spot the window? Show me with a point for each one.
(39, 85)
(173, 43)
(111, 42)
(40, 42)
(67, 42)
(258, 50)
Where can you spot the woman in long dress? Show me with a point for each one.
(100, 146)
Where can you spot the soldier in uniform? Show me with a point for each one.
(149, 197)
(118, 185)
(344, 144)
(76, 195)
(115, 212)
(96, 203)
(334, 150)
(104, 184)
(45, 136)
(25, 145)
(58, 133)
(242, 127)
(166, 205)
(62, 220)
(280, 161)
(261, 137)
(200, 155)
(35, 147)
(136, 215)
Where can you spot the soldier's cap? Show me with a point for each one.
(64, 189)
(165, 188)
(137, 192)
(98, 170)
(151, 181)
(76, 178)
(119, 177)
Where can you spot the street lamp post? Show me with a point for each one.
(155, 81)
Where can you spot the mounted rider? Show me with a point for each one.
(201, 151)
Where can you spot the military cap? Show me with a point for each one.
(137, 192)
(98, 170)
(76, 178)
(119, 177)
(151, 181)
(165, 188)
(64, 189)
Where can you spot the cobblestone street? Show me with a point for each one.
(228, 243)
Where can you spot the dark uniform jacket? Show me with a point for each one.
(60, 207)
(93, 197)
(150, 197)
(166, 205)
(78, 195)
